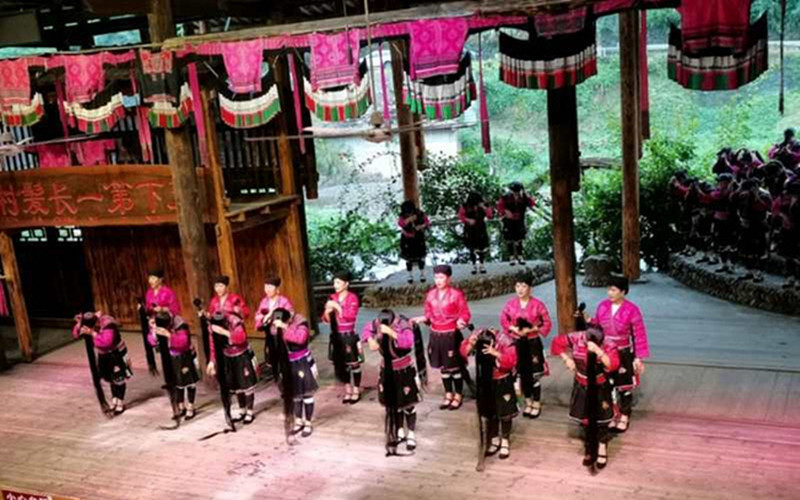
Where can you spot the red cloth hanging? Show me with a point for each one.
(387, 115)
(644, 80)
(707, 24)
(486, 139)
(296, 83)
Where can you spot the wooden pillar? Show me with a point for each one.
(225, 247)
(294, 227)
(407, 150)
(628, 44)
(194, 245)
(644, 79)
(562, 120)
(18, 308)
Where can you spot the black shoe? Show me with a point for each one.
(237, 418)
(513, 263)
(474, 271)
(492, 449)
(189, 413)
(410, 280)
(411, 444)
(423, 279)
(602, 461)
(307, 430)
(248, 418)
(588, 460)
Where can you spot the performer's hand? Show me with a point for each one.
(388, 330)
(86, 330)
(373, 344)
(570, 363)
(162, 331)
(218, 329)
(473, 339)
(591, 346)
(491, 351)
(418, 319)
(638, 366)
(279, 324)
(461, 324)
(211, 369)
(514, 329)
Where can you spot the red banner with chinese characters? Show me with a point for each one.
(103, 195)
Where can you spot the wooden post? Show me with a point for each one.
(18, 309)
(628, 56)
(295, 224)
(194, 245)
(407, 154)
(644, 78)
(562, 119)
(225, 247)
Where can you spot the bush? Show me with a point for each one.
(598, 210)
(348, 241)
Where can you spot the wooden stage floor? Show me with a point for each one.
(717, 418)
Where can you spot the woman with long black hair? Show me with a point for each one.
(398, 385)
(413, 223)
(592, 358)
(473, 214)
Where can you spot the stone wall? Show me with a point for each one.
(499, 280)
(767, 295)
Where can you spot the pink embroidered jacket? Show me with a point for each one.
(267, 305)
(347, 319)
(108, 338)
(163, 297)
(625, 328)
(237, 342)
(535, 312)
(179, 342)
(401, 346)
(444, 309)
(296, 337)
(515, 206)
(506, 363)
(227, 303)
(576, 342)
(409, 229)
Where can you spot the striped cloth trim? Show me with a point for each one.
(251, 113)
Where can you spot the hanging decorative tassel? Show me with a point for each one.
(298, 116)
(387, 116)
(783, 29)
(644, 80)
(486, 138)
(199, 118)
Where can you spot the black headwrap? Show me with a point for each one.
(158, 273)
(225, 280)
(526, 278)
(619, 281)
(273, 280)
(443, 269)
(344, 276)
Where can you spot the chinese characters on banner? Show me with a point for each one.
(88, 196)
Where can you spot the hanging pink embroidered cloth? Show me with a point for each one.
(560, 24)
(15, 81)
(334, 59)
(436, 46)
(85, 75)
(53, 155)
(243, 64)
(93, 152)
(716, 24)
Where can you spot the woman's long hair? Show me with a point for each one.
(592, 394)
(336, 351)
(391, 422)
(279, 354)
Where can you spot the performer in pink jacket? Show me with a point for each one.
(343, 305)
(499, 405)
(446, 312)
(623, 325)
(112, 354)
(184, 358)
(161, 295)
(526, 319)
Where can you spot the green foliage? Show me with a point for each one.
(348, 241)
(598, 211)
(446, 180)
